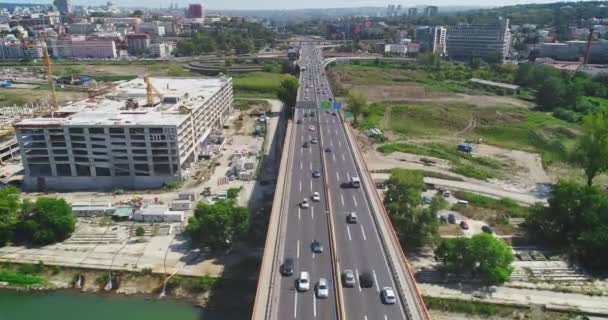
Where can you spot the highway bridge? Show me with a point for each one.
(322, 157)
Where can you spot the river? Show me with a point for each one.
(66, 305)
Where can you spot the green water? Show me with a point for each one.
(63, 305)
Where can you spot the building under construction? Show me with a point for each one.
(142, 134)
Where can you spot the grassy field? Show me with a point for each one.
(257, 83)
(461, 163)
(10, 97)
(503, 126)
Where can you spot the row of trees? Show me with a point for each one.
(44, 221)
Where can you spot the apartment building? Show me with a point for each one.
(96, 48)
(431, 11)
(491, 42)
(137, 43)
(117, 141)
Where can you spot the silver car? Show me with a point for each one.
(348, 278)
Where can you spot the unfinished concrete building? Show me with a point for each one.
(119, 140)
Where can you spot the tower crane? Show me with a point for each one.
(150, 91)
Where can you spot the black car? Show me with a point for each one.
(305, 145)
(316, 174)
(487, 229)
(305, 114)
(451, 218)
(299, 121)
(366, 280)
(287, 267)
(316, 246)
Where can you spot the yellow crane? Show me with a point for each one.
(150, 91)
(48, 70)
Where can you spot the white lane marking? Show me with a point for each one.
(312, 212)
(331, 143)
(295, 304)
(348, 231)
(310, 186)
(376, 280)
(301, 166)
(298, 250)
(336, 131)
(342, 199)
(364, 317)
(314, 305)
(339, 143)
(299, 212)
(311, 166)
(334, 156)
(358, 282)
(300, 186)
(363, 232)
(343, 158)
(310, 150)
(385, 317)
(337, 176)
(355, 200)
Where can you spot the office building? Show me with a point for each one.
(137, 43)
(93, 48)
(490, 42)
(412, 12)
(574, 51)
(431, 11)
(161, 50)
(195, 11)
(118, 141)
(154, 28)
(431, 39)
(64, 6)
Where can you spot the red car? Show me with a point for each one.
(464, 225)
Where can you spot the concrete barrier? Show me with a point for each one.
(263, 304)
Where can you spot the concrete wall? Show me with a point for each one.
(97, 183)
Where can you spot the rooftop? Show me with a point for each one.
(125, 104)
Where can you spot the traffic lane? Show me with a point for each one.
(371, 258)
(320, 263)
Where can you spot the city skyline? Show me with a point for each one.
(289, 5)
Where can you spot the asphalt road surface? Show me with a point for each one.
(358, 246)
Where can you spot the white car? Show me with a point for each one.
(322, 289)
(316, 196)
(303, 281)
(388, 295)
(304, 204)
(311, 128)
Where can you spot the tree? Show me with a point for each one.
(218, 225)
(72, 71)
(9, 213)
(137, 13)
(357, 104)
(591, 152)
(233, 193)
(140, 231)
(576, 218)
(482, 255)
(414, 224)
(288, 91)
(45, 221)
(550, 94)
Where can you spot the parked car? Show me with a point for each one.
(426, 199)
(451, 218)
(464, 225)
(388, 295)
(487, 229)
(287, 267)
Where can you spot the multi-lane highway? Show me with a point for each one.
(319, 133)
(304, 225)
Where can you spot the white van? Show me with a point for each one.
(355, 182)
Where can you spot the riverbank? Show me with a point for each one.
(40, 277)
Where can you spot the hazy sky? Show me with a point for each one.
(294, 4)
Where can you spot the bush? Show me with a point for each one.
(233, 193)
(140, 231)
(566, 115)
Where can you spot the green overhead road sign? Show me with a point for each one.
(325, 105)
